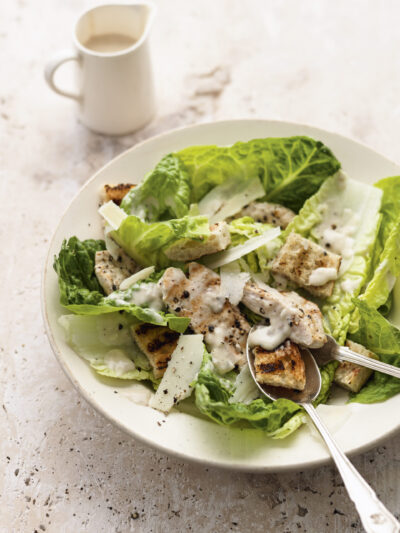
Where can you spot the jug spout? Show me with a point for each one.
(141, 19)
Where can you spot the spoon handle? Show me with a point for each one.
(345, 354)
(374, 515)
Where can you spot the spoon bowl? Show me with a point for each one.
(311, 389)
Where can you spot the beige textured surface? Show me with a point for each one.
(63, 467)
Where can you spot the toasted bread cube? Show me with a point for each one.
(157, 343)
(351, 376)
(282, 367)
(299, 258)
(116, 192)
(189, 250)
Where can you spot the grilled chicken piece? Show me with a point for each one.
(300, 318)
(218, 240)
(282, 367)
(274, 214)
(299, 258)
(351, 376)
(116, 192)
(225, 330)
(157, 343)
(110, 272)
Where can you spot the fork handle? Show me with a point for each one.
(374, 515)
(345, 354)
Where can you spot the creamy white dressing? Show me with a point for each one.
(214, 300)
(147, 295)
(272, 335)
(118, 362)
(322, 275)
(339, 241)
(220, 352)
(350, 285)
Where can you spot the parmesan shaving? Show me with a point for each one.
(112, 214)
(228, 256)
(139, 276)
(182, 370)
(233, 282)
(246, 390)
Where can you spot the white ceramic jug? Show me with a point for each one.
(115, 80)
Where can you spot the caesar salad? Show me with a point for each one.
(216, 239)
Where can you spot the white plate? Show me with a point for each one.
(356, 427)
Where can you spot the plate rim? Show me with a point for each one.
(159, 446)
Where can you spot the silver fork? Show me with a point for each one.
(332, 351)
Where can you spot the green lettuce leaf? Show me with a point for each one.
(386, 258)
(243, 229)
(106, 344)
(291, 169)
(382, 338)
(74, 266)
(327, 375)
(81, 293)
(163, 194)
(212, 399)
(354, 207)
(147, 243)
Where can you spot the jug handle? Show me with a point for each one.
(57, 60)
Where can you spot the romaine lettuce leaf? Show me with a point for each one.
(146, 242)
(291, 169)
(327, 375)
(243, 229)
(386, 258)
(212, 399)
(81, 293)
(105, 342)
(163, 194)
(74, 266)
(382, 338)
(351, 209)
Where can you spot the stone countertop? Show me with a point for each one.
(335, 65)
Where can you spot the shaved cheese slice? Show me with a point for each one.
(111, 245)
(233, 282)
(227, 256)
(229, 198)
(138, 276)
(246, 390)
(236, 202)
(181, 371)
(112, 214)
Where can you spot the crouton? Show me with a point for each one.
(282, 367)
(351, 376)
(116, 192)
(188, 250)
(299, 259)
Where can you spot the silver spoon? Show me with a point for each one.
(374, 515)
(331, 350)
